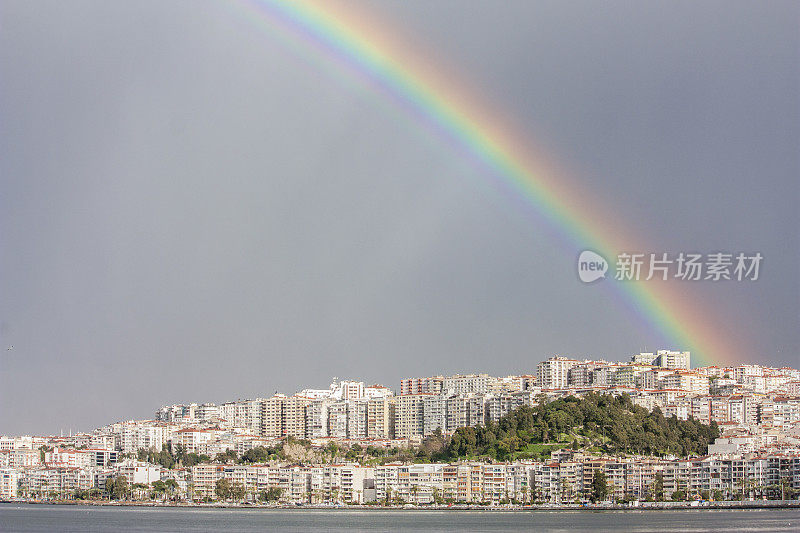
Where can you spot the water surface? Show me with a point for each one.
(21, 517)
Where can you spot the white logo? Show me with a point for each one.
(591, 266)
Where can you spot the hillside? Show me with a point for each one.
(596, 422)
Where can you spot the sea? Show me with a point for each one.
(27, 517)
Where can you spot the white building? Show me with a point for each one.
(670, 359)
(553, 373)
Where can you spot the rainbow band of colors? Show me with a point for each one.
(352, 39)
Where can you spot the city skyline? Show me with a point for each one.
(307, 386)
(198, 202)
(644, 374)
(648, 429)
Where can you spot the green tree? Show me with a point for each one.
(193, 459)
(223, 489)
(599, 486)
(159, 488)
(179, 453)
(238, 492)
(43, 449)
(566, 490)
(658, 487)
(414, 490)
(138, 490)
(117, 487)
(332, 449)
(258, 454)
(228, 456)
(272, 494)
(171, 486)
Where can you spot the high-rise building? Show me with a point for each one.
(351, 390)
(409, 415)
(317, 418)
(430, 385)
(294, 416)
(470, 383)
(553, 373)
(676, 360)
(435, 413)
(337, 419)
(376, 391)
(357, 419)
(272, 419)
(644, 358)
(381, 417)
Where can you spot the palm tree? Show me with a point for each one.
(566, 490)
(414, 491)
(760, 490)
(743, 484)
(785, 481)
(172, 487)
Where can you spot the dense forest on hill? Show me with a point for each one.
(599, 422)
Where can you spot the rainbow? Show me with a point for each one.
(420, 89)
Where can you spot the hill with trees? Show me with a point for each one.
(599, 422)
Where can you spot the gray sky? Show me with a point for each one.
(195, 209)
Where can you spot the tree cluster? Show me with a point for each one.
(117, 487)
(600, 421)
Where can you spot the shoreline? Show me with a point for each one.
(644, 506)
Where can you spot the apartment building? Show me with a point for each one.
(19, 458)
(351, 390)
(470, 384)
(674, 360)
(337, 420)
(410, 483)
(139, 472)
(59, 482)
(554, 372)
(429, 385)
(434, 414)
(9, 481)
(59, 457)
(691, 382)
(381, 417)
(377, 391)
(272, 416)
(456, 412)
(410, 415)
(191, 439)
(317, 417)
(294, 416)
(357, 419)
